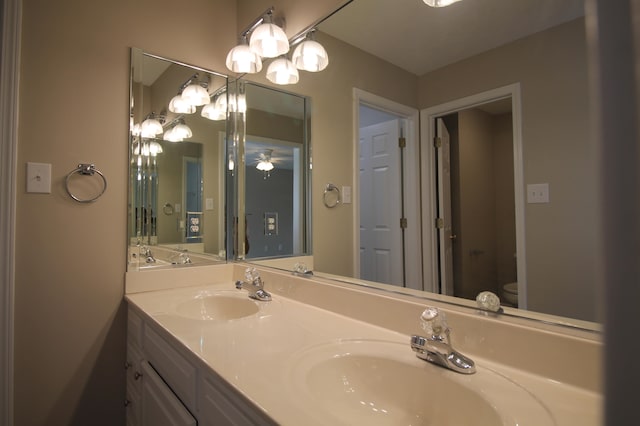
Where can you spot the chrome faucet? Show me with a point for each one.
(436, 347)
(146, 252)
(254, 285)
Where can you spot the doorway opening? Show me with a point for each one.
(473, 181)
(386, 219)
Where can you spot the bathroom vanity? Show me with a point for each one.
(201, 352)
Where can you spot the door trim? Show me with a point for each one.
(9, 85)
(412, 245)
(429, 213)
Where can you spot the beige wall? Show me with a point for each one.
(70, 258)
(477, 204)
(561, 244)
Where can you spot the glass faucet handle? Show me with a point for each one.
(251, 275)
(433, 322)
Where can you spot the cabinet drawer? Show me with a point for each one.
(174, 369)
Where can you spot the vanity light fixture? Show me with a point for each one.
(177, 133)
(195, 94)
(310, 55)
(242, 59)
(179, 105)
(267, 39)
(440, 3)
(282, 71)
(215, 110)
(151, 126)
(147, 149)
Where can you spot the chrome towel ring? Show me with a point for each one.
(331, 196)
(85, 170)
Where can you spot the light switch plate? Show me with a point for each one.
(208, 202)
(346, 195)
(39, 178)
(538, 193)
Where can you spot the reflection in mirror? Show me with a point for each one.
(437, 63)
(276, 174)
(177, 157)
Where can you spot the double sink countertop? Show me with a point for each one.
(301, 364)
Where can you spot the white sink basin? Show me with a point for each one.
(220, 306)
(383, 383)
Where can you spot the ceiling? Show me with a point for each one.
(419, 38)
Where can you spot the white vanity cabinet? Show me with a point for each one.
(169, 385)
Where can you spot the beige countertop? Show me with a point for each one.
(269, 357)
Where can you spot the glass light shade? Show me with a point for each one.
(152, 148)
(136, 129)
(282, 71)
(195, 95)
(182, 131)
(242, 59)
(310, 56)
(265, 166)
(179, 105)
(171, 136)
(150, 128)
(269, 40)
(212, 113)
(440, 3)
(155, 148)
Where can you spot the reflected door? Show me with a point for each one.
(381, 257)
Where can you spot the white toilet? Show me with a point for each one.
(510, 293)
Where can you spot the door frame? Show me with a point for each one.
(411, 175)
(9, 85)
(429, 200)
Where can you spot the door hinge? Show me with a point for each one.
(439, 223)
(402, 142)
(403, 223)
(437, 142)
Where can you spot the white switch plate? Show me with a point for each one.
(208, 203)
(346, 195)
(538, 193)
(39, 178)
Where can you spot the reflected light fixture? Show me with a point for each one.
(264, 163)
(310, 55)
(196, 95)
(180, 105)
(215, 110)
(150, 127)
(440, 3)
(242, 59)
(282, 71)
(267, 39)
(147, 149)
(177, 133)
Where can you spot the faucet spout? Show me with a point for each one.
(254, 285)
(436, 347)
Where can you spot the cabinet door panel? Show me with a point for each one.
(160, 406)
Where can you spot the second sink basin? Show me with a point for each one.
(383, 383)
(218, 306)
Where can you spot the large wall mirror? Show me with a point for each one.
(177, 163)
(511, 206)
(276, 175)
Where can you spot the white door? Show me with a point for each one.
(447, 236)
(381, 257)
